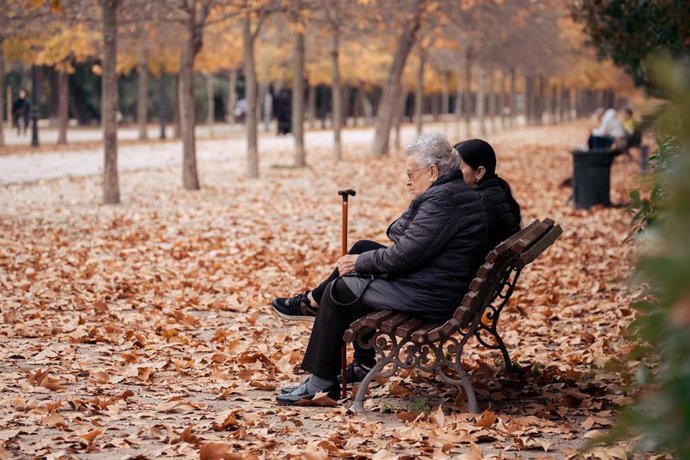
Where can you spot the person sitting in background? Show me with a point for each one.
(478, 165)
(607, 133)
(438, 244)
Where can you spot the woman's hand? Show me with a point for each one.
(346, 264)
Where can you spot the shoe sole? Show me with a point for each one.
(292, 317)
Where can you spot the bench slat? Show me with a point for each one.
(506, 245)
(391, 324)
(374, 320)
(420, 334)
(541, 245)
(446, 329)
(532, 236)
(409, 327)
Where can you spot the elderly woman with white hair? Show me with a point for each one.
(438, 244)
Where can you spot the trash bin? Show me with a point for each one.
(591, 177)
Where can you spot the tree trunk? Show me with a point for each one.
(512, 99)
(190, 177)
(492, 100)
(360, 113)
(529, 100)
(210, 101)
(111, 187)
(142, 93)
(298, 99)
(480, 100)
(264, 106)
(457, 110)
(63, 106)
(541, 100)
(444, 96)
(162, 102)
(232, 96)
(504, 98)
(399, 118)
(250, 93)
(337, 93)
(391, 89)
(2, 93)
(311, 106)
(177, 129)
(419, 96)
(468, 93)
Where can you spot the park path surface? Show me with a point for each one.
(144, 330)
(83, 157)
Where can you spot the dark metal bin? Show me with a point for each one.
(592, 177)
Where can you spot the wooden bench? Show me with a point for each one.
(402, 341)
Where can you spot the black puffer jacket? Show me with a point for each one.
(503, 219)
(439, 242)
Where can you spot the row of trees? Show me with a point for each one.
(474, 47)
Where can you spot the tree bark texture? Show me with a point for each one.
(177, 129)
(190, 176)
(232, 96)
(337, 94)
(419, 96)
(210, 101)
(63, 106)
(142, 93)
(250, 92)
(529, 99)
(298, 100)
(162, 102)
(111, 187)
(481, 100)
(444, 96)
(391, 89)
(311, 106)
(492, 100)
(512, 100)
(399, 119)
(468, 93)
(457, 110)
(541, 100)
(503, 98)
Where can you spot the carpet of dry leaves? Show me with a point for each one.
(144, 330)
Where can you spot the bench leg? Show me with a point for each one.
(500, 345)
(358, 405)
(466, 385)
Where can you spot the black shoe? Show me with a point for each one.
(294, 308)
(355, 373)
(301, 396)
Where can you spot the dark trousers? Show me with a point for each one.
(323, 357)
(358, 248)
(362, 356)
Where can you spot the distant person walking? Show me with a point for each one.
(21, 111)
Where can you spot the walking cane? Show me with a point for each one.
(345, 194)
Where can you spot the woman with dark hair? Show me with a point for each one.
(478, 165)
(437, 244)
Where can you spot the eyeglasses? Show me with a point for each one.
(410, 173)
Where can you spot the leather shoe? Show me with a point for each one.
(302, 394)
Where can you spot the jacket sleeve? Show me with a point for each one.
(435, 222)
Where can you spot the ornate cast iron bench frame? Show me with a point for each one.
(402, 341)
